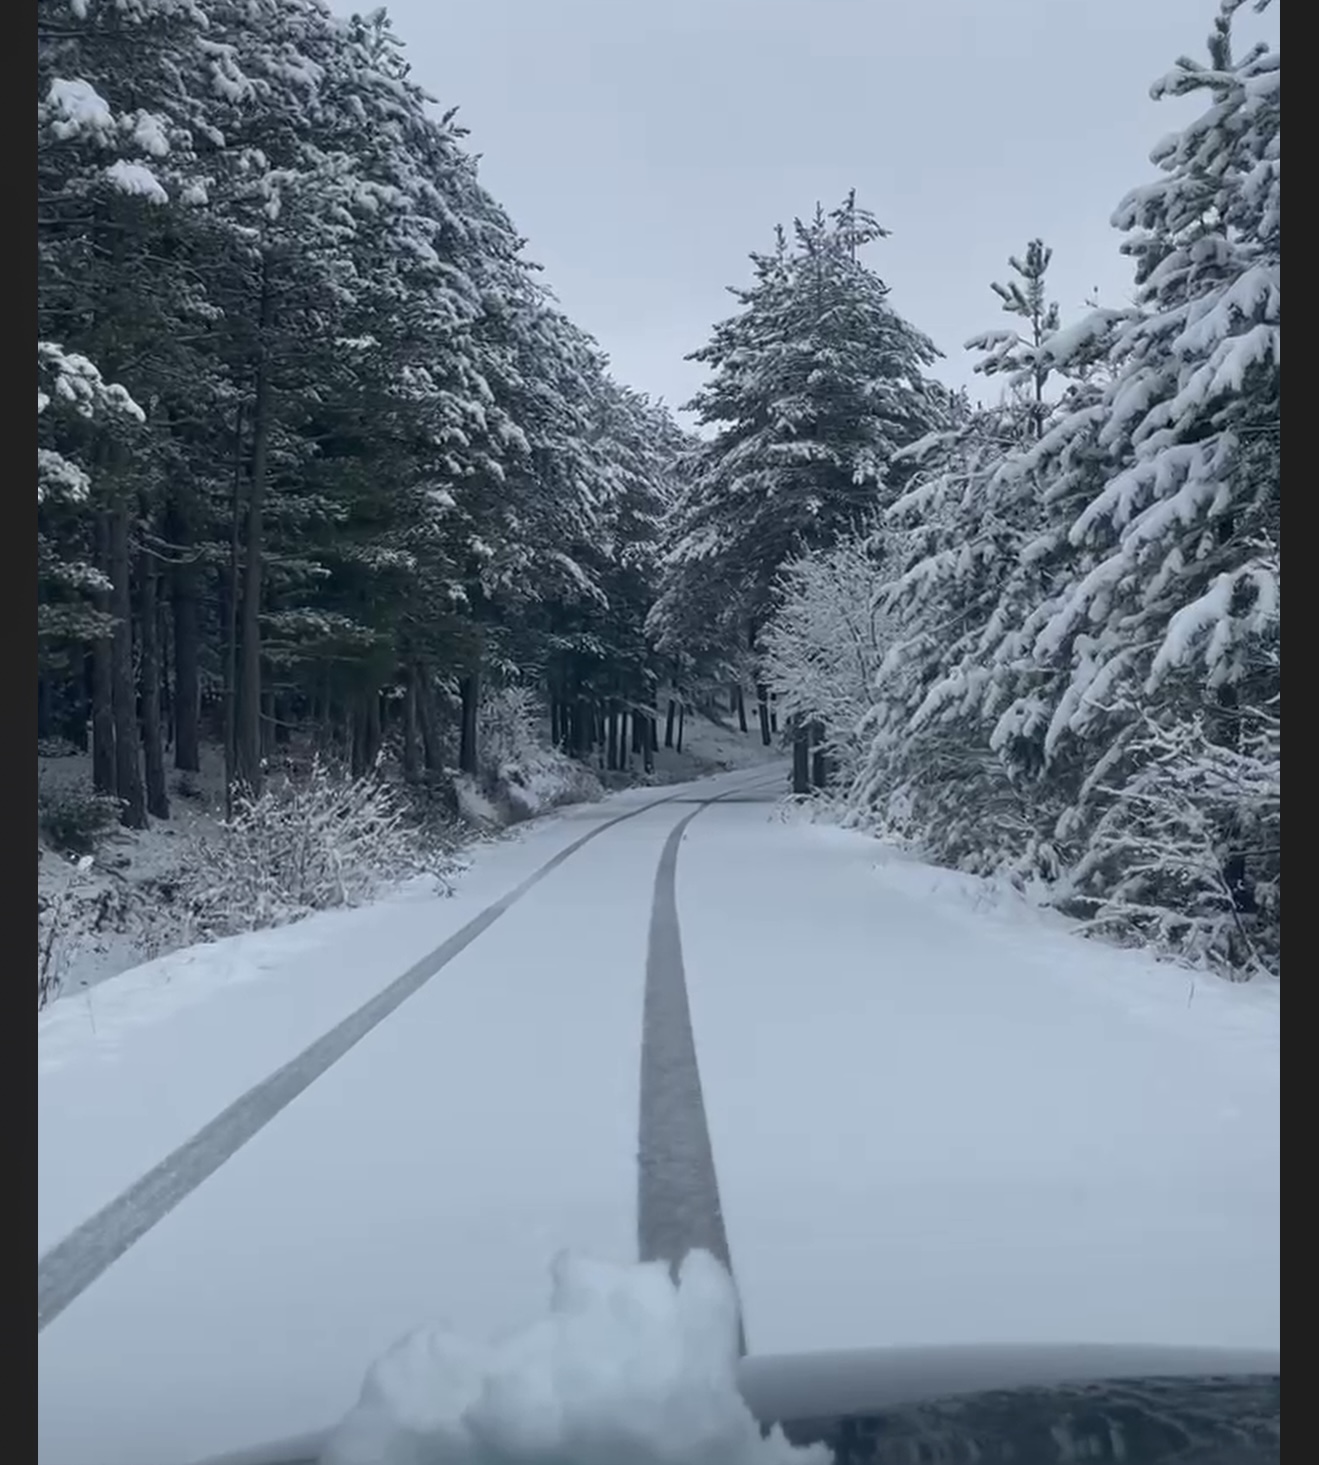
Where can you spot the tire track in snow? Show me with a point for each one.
(678, 1207)
(73, 1264)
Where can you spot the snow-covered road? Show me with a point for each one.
(929, 1123)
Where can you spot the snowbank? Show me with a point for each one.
(627, 1367)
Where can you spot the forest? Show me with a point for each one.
(327, 477)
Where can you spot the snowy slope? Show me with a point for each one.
(936, 1120)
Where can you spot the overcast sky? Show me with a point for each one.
(645, 146)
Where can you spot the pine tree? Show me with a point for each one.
(1130, 615)
(816, 385)
(1022, 357)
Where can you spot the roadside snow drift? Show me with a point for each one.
(628, 1367)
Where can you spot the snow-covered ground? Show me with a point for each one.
(936, 1116)
(711, 746)
(116, 917)
(940, 1117)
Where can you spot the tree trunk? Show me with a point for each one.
(468, 752)
(267, 726)
(651, 742)
(357, 759)
(249, 683)
(773, 713)
(819, 762)
(45, 716)
(432, 747)
(611, 753)
(232, 596)
(668, 723)
(128, 756)
(153, 750)
(801, 759)
(185, 592)
(283, 710)
(640, 732)
(556, 738)
(165, 642)
(762, 706)
(374, 730)
(411, 766)
(682, 718)
(104, 777)
(739, 697)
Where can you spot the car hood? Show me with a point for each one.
(790, 1388)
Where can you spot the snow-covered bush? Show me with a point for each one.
(521, 776)
(509, 725)
(62, 921)
(308, 843)
(1187, 855)
(73, 818)
(825, 644)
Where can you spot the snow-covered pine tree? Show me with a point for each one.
(599, 650)
(1174, 623)
(1144, 600)
(815, 385)
(953, 563)
(1021, 357)
(116, 173)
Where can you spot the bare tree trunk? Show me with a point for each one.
(185, 591)
(739, 697)
(153, 750)
(249, 685)
(128, 756)
(640, 732)
(651, 742)
(773, 713)
(669, 718)
(682, 718)
(104, 763)
(469, 755)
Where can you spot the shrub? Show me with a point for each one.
(308, 844)
(73, 818)
(521, 777)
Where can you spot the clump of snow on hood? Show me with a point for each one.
(628, 1367)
